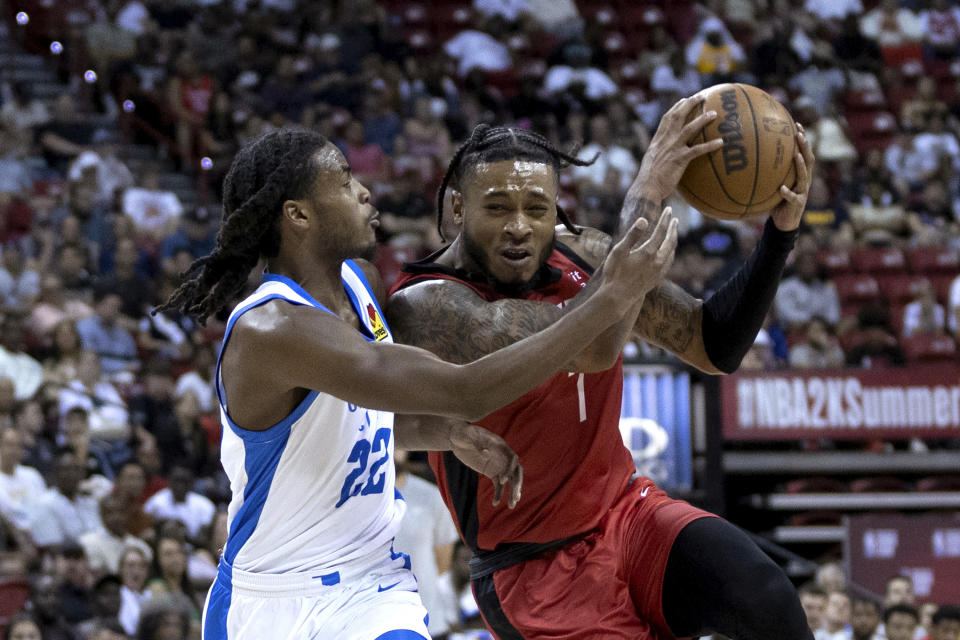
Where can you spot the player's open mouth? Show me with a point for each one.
(375, 221)
(515, 255)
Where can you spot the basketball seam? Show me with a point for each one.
(756, 144)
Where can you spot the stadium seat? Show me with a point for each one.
(884, 484)
(929, 260)
(899, 55)
(816, 518)
(13, 595)
(896, 317)
(929, 348)
(939, 483)
(941, 284)
(899, 289)
(864, 100)
(857, 287)
(878, 260)
(817, 484)
(872, 130)
(837, 262)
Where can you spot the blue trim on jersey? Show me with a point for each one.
(260, 463)
(366, 284)
(397, 495)
(329, 579)
(276, 277)
(218, 606)
(396, 556)
(400, 634)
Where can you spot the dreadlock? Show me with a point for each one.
(492, 144)
(274, 168)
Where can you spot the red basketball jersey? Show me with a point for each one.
(566, 432)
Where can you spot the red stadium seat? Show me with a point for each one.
(13, 595)
(885, 484)
(816, 519)
(837, 262)
(900, 289)
(872, 130)
(857, 287)
(864, 100)
(929, 260)
(896, 317)
(941, 284)
(879, 260)
(898, 56)
(929, 348)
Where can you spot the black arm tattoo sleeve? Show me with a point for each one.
(636, 206)
(453, 322)
(669, 317)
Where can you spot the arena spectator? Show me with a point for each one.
(615, 167)
(131, 481)
(19, 284)
(98, 398)
(22, 111)
(52, 309)
(134, 570)
(891, 26)
(65, 136)
(180, 502)
(169, 575)
(75, 583)
(900, 621)
(917, 111)
(945, 623)
(195, 234)
(62, 514)
(818, 349)
(715, 54)
(109, 174)
(807, 293)
(836, 618)
(821, 80)
(813, 599)
(15, 364)
(23, 626)
(877, 349)
(155, 212)
(46, 605)
(428, 535)
(941, 30)
(878, 219)
(162, 618)
(105, 604)
(38, 447)
(103, 334)
(864, 619)
(477, 48)
(924, 315)
(425, 132)
(105, 547)
(577, 77)
(20, 486)
(833, 9)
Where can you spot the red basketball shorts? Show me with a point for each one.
(607, 585)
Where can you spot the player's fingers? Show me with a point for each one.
(634, 235)
(669, 244)
(516, 485)
(704, 147)
(696, 125)
(659, 231)
(790, 196)
(497, 491)
(803, 173)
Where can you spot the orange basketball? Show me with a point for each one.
(743, 177)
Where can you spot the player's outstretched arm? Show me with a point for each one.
(301, 348)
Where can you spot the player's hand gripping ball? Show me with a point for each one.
(743, 177)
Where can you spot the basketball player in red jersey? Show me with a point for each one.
(589, 553)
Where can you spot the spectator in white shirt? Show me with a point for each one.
(107, 411)
(941, 29)
(509, 10)
(134, 570)
(427, 533)
(891, 26)
(833, 9)
(578, 76)
(836, 618)
(19, 284)
(108, 172)
(615, 165)
(20, 486)
(105, 547)
(472, 48)
(924, 315)
(807, 294)
(154, 211)
(62, 515)
(178, 502)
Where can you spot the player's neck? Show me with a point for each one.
(321, 281)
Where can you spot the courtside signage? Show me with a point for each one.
(845, 404)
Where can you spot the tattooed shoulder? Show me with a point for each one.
(592, 245)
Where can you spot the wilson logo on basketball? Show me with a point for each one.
(377, 328)
(734, 151)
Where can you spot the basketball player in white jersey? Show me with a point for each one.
(308, 376)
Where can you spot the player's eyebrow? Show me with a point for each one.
(500, 193)
(345, 168)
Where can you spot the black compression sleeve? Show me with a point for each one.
(733, 315)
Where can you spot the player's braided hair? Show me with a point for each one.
(492, 144)
(274, 168)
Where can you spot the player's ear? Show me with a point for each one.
(293, 211)
(456, 203)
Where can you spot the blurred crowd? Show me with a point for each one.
(111, 496)
(837, 612)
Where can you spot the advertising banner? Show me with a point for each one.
(842, 404)
(925, 548)
(655, 424)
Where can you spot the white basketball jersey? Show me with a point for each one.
(316, 489)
